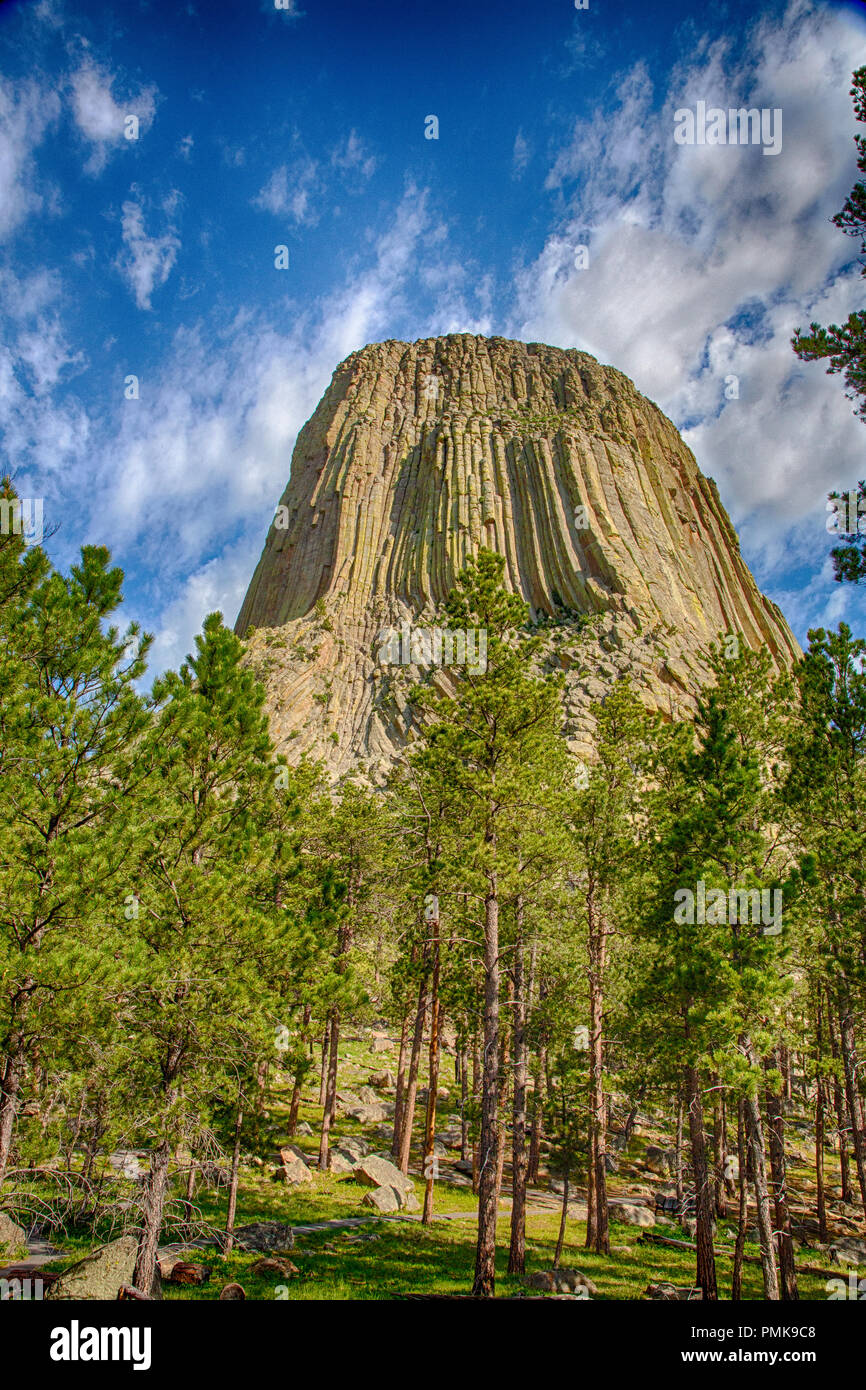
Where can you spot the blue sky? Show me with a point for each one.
(260, 127)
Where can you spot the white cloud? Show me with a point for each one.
(703, 260)
(289, 191)
(353, 157)
(148, 260)
(27, 113)
(521, 155)
(189, 475)
(102, 120)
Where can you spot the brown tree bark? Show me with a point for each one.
(485, 1254)
(848, 1049)
(408, 1118)
(145, 1274)
(820, 1110)
(433, 1088)
(678, 1150)
(330, 1107)
(778, 1171)
(12, 1078)
(743, 1210)
(563, 1219)
(401, 1082)
(719, 1155)
(839, 1108)
(705, 1276)
(233, 1183)
(323, 1070)
(597, 1233)
(295, 1104)
(758, 1167)
(517, 1247)
(464, 1097)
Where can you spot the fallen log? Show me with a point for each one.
(653, 1239)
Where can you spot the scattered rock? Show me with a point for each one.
(339, 1162)
(368, 1114)
(378, 1172)
(661, 1161)
(375, 1171)
(562, 1281)
(13, 1238)
(304, 1129)
(631, 1214)
(101, 1274)
(293, 1173)
(384, 1199)
(850, 1250)
(384, 1080)
(290, 1152)
(464, 1165)
(231, 1291)
(671, 1293)
(353, 1148)
(183, 1272)
(271, 1267)
(265, 1237)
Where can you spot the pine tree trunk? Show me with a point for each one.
(485, 1254)
(705, 1277)
(401, 1082)
(504, 1087)
(563, 1218)
(537, 1129)
(294, 1110)
(839, 1108)
(464, 1097)
(433, 1088)
(762, 1196)
(330, 1107)
(743, 1211)
(678, 1150)
(323, 1071)
(820, 1111)
(295, 1104)
(13, 1076)
(778, 1170)
(190, 1191)
(233, 1184)
(145, 1274)
(848, 1048)
(719, 1156)
(597, 1233)
(517, 1248)
(408, 1118)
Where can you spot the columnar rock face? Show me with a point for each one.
(420, 453)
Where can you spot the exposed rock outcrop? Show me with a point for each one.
(420, 453)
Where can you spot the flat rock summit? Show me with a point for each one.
(420, 453)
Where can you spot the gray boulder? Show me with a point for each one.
(352, 1147)
(562, 1281)
(339, 1162)
(100, 1275)
(660, 1160)
(632, 1214)
(294, 1173)
(13, 1238)
(383, 1199)
(265, 1237)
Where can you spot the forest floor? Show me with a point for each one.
(343, 1250)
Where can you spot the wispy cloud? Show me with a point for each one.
(103, 122)
(147, 261)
